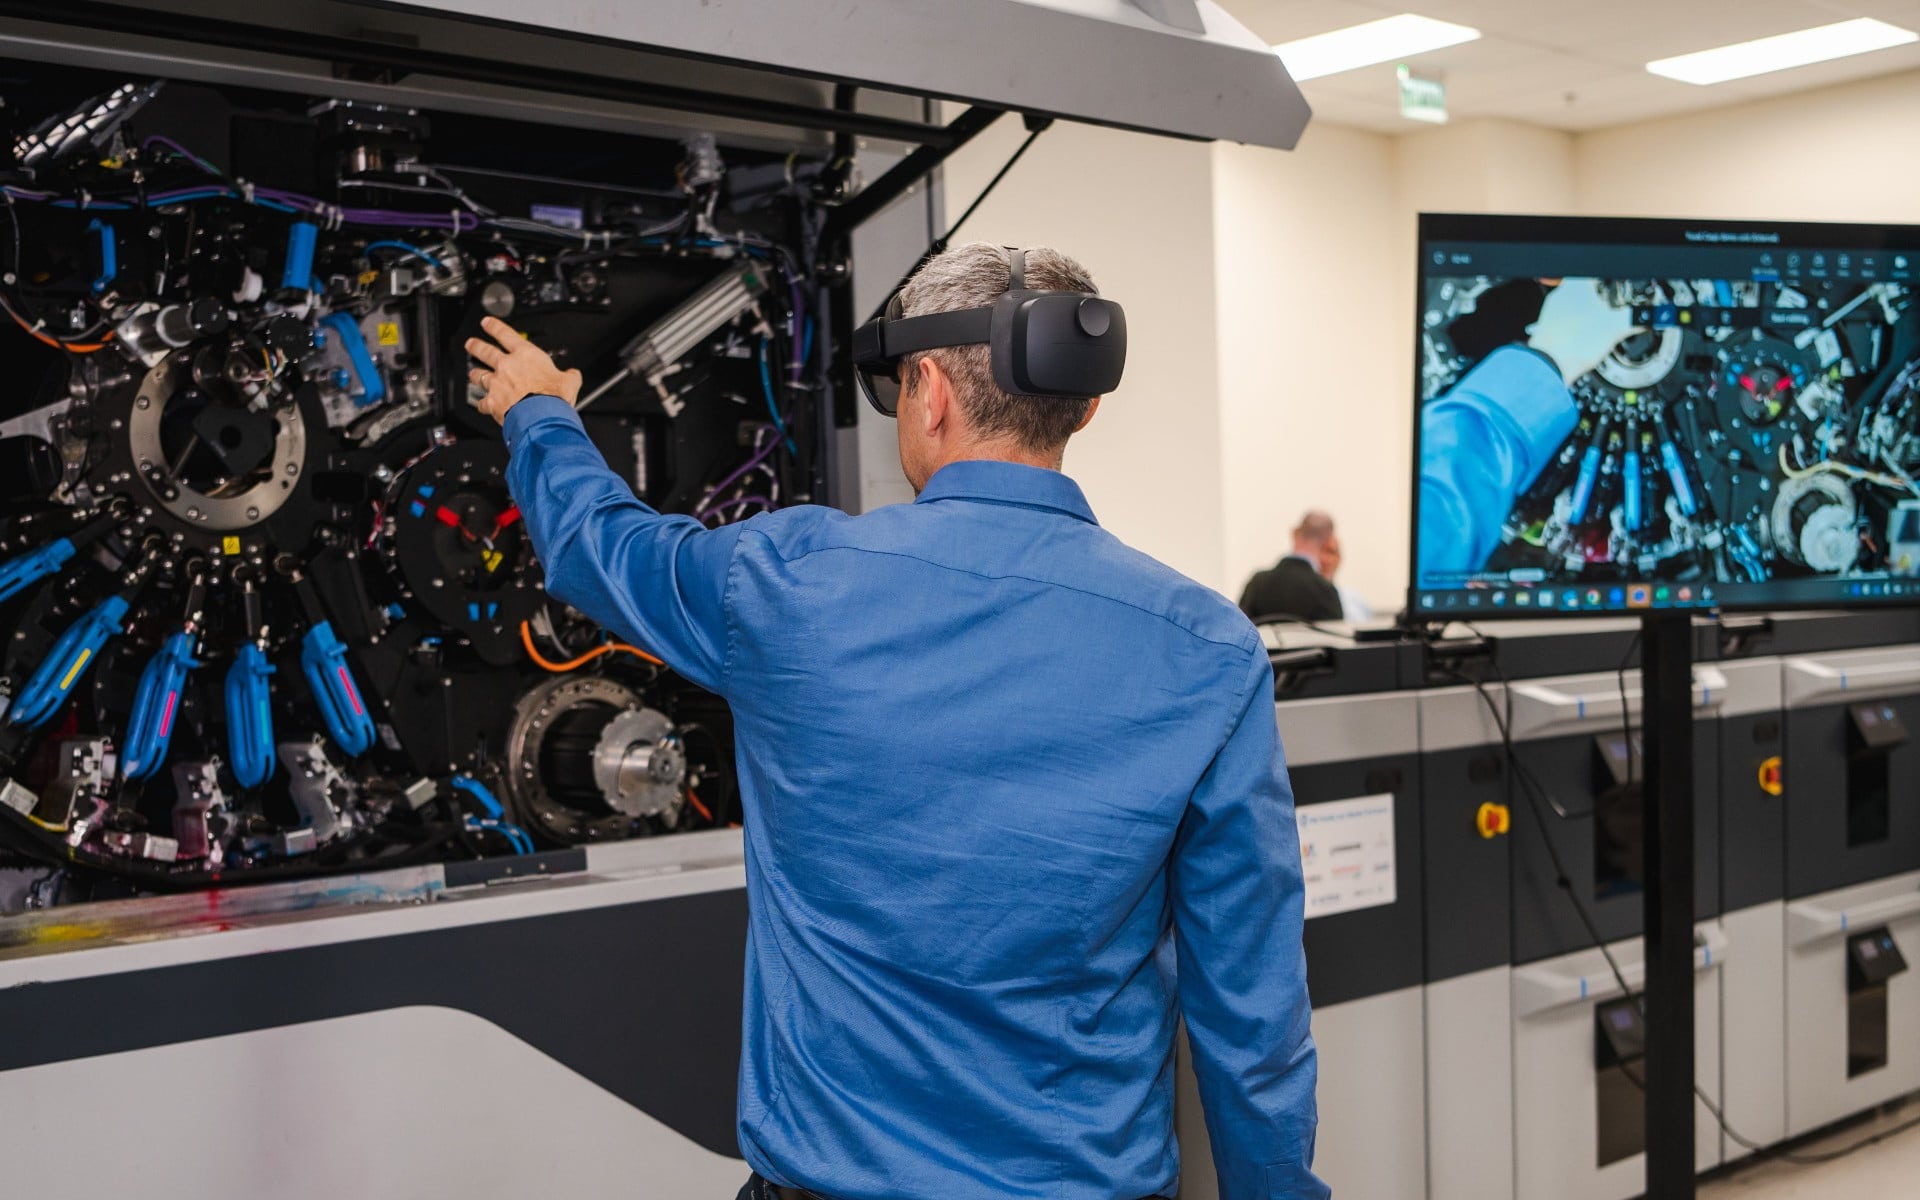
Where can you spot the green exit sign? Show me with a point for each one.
(1422, 99)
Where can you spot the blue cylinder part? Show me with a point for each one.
(66, 664)
(156, 706)
(1677, 473)
(1583, 486)
(22, 572)
(250, 717)
(109, 254)
(366, 372)
(323, 660)
(1634, 499)
(298, 272)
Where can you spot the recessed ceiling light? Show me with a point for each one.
(1785, 50)
(1364, 45)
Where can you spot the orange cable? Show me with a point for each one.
(56, 343)
(699, 807)
(533, 652)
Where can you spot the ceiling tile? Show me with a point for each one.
(1535, 53)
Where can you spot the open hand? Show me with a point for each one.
(1579, 327)
(514, 369)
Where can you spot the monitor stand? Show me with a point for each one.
(1666, 667)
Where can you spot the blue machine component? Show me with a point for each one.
(1589, 475)
(495, 818)
(52, 681)
(20, 573)
(1635, 494)
(1746, 552)
(250, 716)
(324, 662)
(372, 388)
(298, 272)
(156, 705)
(109, 254)
(1677, 473)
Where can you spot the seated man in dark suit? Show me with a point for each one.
(1294, 587)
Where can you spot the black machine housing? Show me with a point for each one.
(234, 322)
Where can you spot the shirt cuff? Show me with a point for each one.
(1526, 387)
(534, 409)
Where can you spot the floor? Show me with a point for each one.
(1889, 1170)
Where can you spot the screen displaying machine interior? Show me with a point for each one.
(1632, 414)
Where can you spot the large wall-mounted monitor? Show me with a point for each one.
(1618, 415)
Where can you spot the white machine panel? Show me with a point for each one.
(1555, 1091)
(1753, 1019)
(1819, 1090)
(1372, 1113)
(1470, 1086)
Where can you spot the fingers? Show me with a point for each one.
(481, 377)
(504, 333)
(486, 351)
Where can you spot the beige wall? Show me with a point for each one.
(1849, 153)
(1270, 295)
(1307, 253)
(1138, 212)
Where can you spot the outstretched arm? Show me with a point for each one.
(659, 581)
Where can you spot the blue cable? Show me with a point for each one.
(521, 841)
(417, 252)
(481, 794)
(806, 340)
(766, 385)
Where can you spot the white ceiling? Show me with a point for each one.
(1572, 64)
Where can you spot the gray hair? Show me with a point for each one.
(1315, 526)
(974, 276)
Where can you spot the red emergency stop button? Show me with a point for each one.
(1493, 820)
(1771, 780)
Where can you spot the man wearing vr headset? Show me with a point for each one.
(1014, 801)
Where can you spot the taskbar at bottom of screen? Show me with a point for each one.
(1488, 597)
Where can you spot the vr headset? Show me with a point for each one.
(1065, 344)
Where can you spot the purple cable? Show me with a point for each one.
(759, 457)
(162, 140)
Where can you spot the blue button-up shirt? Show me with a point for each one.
(1000, 774)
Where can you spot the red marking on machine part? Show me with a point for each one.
(506, 518)
(1746, 381)
(447, 517)
(166, 718)
(1782, 384)
(346, 681)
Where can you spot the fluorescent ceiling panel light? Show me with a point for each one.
(1374, 42)
(1785, 50)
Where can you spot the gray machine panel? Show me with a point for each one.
(1342, 729)
(1222, 84)
(1339, 749)
(1852, 819)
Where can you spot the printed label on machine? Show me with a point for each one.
(1346, 854)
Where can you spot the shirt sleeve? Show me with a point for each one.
(1237, 900)
(658, 581)
(1482, 444)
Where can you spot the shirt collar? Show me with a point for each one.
(1008, 483)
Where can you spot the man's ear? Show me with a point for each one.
(1093, 406)
(936, 397)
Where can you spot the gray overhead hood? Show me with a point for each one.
(1176, 67)
(799, 74)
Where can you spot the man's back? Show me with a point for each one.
(1291, 588)
(989, 756)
